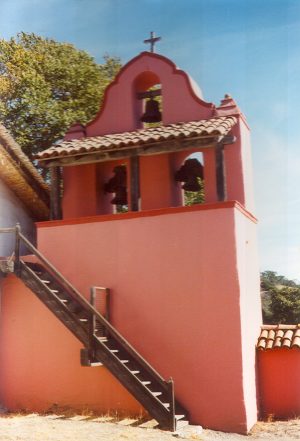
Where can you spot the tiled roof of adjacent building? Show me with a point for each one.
(279, 336)
(194, 129)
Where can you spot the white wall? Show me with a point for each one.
(12, 211)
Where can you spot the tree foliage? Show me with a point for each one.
(194, 197)
(46, 86)
(280, 299)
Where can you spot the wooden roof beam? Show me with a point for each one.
(156, 148)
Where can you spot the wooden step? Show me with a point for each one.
(156, 394)
(179, 417)
(181, 424)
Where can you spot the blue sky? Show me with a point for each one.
(247, 48)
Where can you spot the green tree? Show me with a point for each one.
(46, 86)
(285, 305)
(280, 299)
(195, 197)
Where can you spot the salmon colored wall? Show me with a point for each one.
(175, 296)
(80, 197)
(279, 382)
(210, 183)
(40, 361)
(156, 182)
(83, 189)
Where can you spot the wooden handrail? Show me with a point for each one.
(8, 230)
(76, 295)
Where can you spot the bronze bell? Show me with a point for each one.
(189, 173)
(152, 113)
(191, 184)
(120, 197)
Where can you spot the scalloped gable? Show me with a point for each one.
(120, 112)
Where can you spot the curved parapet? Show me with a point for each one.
(121, 110)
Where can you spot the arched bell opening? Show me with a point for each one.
(191, 177)
(148, 103)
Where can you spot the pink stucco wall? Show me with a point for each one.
(84, 193)
(80, 195)
(178, 281)
(250, 307)
(238, 165)
(40, 361)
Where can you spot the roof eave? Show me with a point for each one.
(34, 199)
(146, 149)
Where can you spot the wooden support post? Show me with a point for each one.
(171, 397)
(55, 199)
(92, 325)
(17, 249)
(135, 183)
(93, 317)
(220, 172)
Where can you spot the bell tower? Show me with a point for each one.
(184, 279)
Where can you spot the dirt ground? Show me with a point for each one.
(35, 427)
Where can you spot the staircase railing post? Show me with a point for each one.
(17, 248)
(171, 399)
(92, 325)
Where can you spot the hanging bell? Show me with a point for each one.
(192, 184)
(120, 197)
(152, 113)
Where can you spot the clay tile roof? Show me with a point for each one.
(279, 336)
(211, 127)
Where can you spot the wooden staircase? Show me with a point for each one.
(102, 342)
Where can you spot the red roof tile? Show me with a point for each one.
(279, 336)
(210, 127)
